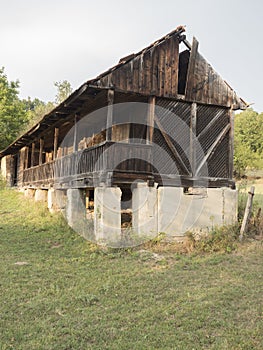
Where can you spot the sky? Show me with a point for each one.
(46, 41)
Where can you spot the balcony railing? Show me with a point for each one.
(106, 157)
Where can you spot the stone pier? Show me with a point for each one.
(107, 215)
(145, 211)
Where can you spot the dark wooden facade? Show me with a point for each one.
(188, 116)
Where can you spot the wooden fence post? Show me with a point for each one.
(247, 213)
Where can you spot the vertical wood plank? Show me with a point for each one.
(55, 150)
(161, 72)
(41, 147)
(75, 139)
(192, 155)
(167, 68)
(129, 75)
(174, 66)
(135, 78)
(231, 143)
(33, 154)
(150, 119)
(109, 115)
(147, 73)
(26, 157)
(191, 70)
(141, 66)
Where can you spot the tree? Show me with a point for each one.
(37, 109)
(248, 141)
(13, 114)
(64, 89)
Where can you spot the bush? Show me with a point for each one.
(223, 239)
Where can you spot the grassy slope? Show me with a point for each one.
(71, 295)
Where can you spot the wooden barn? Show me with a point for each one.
(144, 148)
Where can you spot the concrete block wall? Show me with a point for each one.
(107, 215)
(179, 212)
(145, 210)
(154, 210)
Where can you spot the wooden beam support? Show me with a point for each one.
(231, 143)
(171, 146)
(33, 154)
(191, 69)
(213, 148)
(41, 148)
(26, 157)
(75, 139)
(192, 154)
(150, 120)
(109, 115)
(56, 135)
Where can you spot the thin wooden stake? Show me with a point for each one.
(247, 213)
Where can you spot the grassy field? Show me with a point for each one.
(61, 292)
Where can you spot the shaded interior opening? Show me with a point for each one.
(126, 207)
(183, 68)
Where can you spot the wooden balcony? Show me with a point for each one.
(94, 162)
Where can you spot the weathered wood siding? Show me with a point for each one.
(153, 72)
(205, 85)
(162, 71)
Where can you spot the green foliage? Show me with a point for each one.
(36, 110)
(13, 114)
(64, 89)
(248, 141)
(223, 239)
(17, 116)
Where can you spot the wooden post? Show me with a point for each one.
(247, 213)
(33, 154)
(191, 70)
(75, 141)
(192, 153)
(26, 157)
(150, 119)
(231, 143)
(41, 147)
(56, 134)
(109, 115)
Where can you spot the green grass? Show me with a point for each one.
(61, 292)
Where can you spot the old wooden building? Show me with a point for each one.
(146, 147)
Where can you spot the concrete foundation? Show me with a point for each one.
(29, 192)
(51, 200)
(179, 212)
(144, 211)
(107, 215)
(166, 209)
(40, 195)
(75, 209)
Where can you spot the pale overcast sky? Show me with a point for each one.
(75, 40)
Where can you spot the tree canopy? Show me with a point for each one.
(16, 115)
(248, 141)
(13, 114)
(64, 89)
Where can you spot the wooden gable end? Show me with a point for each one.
(152, 72)
(204, 84)
(161, 70)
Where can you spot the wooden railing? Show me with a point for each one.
(106, 157)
